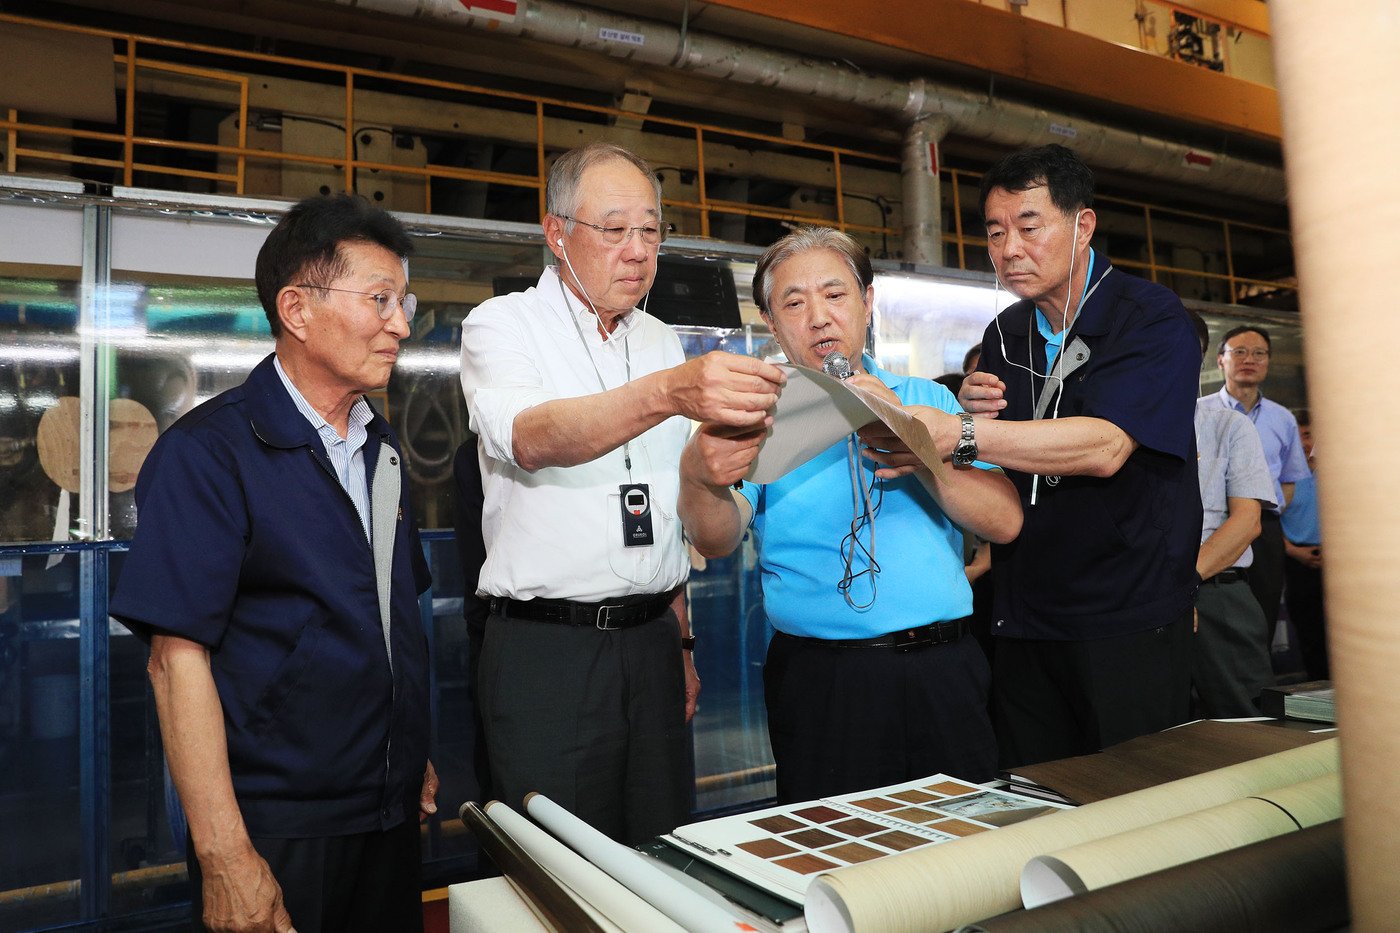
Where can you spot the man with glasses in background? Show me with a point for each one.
(580, 401)
(276, 571)
(1244, 359)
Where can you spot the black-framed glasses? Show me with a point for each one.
(1253, 353)
(651, 234)
(385, 302)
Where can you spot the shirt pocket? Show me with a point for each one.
(287, 679)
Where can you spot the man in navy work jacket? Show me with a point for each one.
(276, 571)
(871, 677)
(1093, 599)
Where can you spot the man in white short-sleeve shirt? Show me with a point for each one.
(580, 401)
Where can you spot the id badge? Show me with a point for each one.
(636, 515)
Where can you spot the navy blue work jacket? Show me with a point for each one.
(248, 545)
(1102, 557)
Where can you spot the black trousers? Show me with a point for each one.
(1266, 573)
(1057, 699)
(851, 719)
(1230, 663)
(594, 720)
(361, 883)
(1309, 617)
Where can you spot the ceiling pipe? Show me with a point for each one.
(976, 116)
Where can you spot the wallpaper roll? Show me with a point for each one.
(555, 906)
(687, 908)
(1295, 883)
(1098, 864)
(944, 886)
(617, 904)
(1339, 93)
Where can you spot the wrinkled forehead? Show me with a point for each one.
(819, 267)
(617, 188)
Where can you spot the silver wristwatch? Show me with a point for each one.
(966, 450)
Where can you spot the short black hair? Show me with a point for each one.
(1202, 331)
(1234, 332)
(1070, 181)
(1303, 417)
(951, 381)
(974, 351)
(305, 244)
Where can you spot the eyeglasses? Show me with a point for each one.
(385, 302)
(1243, 353)
(651, 234)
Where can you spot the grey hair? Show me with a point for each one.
(561, 190)
(802, 240)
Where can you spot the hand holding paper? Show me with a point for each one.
(882, 443)
(720, 455)
(815, 411)
(724, 388)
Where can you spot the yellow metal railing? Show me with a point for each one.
(132, 60)
(1238, 285)
(133, 54)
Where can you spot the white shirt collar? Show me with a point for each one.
(560, 298)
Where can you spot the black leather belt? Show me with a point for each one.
(622, 613)
(924, 636)
(1233, 575)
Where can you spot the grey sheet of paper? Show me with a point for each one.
(815, 411)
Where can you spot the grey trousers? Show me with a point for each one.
(594, 720)
(1230, 662)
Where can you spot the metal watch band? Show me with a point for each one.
(966, 450)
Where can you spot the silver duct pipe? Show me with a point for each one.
(922, 190)
(1005, 123)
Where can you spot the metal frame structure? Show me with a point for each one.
(138, 55)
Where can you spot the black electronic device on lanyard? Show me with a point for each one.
(636, 515)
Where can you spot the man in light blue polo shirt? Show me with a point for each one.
(869, 678)
(1244, 359)
(1302, 567)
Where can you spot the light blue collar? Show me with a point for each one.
(1054, 341)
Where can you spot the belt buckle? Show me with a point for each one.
(603, 621)
(909, 639)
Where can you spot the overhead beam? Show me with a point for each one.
(993, 40)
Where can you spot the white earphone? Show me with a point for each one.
(1057, 368)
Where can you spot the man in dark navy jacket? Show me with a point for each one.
(1093, 600)
(276, 571)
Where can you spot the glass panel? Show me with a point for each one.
(40, 281)
(453, 710)
(147, 832)
(451, 275)
(185, 325)
(733, 761)
(186, 328)
(39, 740)
(924, 327)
